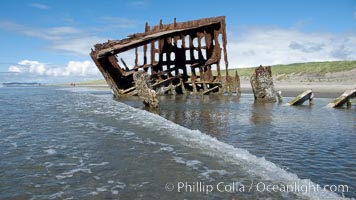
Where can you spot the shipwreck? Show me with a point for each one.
(345, 98)
(178, 58)
(301, 98)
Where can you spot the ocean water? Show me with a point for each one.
(75, 143)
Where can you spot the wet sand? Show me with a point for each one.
(321, 90)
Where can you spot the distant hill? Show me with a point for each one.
(21, 84)
(303, 68)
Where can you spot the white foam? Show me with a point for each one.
(61, 146)
(66, 164)
(139, 184)
(73, 171)
(50, 151)
(76, 89)
(138, 140)
(94, 193)
(210, 146)
(56, 195)
(168, 148)
(114, 192)
(98, 164)
(120, 185)
(179, 160)
(195, 164)
(48, 164)
(60, 177)
(106, 129)
(206, 174)
(129, 133)
(102, 189)
(65, 187)
(149, 141)
(14, 144)
(70, 173)
(215, 148)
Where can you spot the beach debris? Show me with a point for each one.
(144, 89)
(237, 83)
(181, 58)
(231, 84)
(301, 98)
(279, 96)
(344, 98)
(262, 84)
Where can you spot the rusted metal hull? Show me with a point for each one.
(185, 56)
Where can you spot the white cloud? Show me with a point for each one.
(119, 22)
(246, 47)
(51, 34)
(270, 46)
(79, 46)
(15, 69)
(62, 38)
(39, 6)
(139, 3)
(63, 30)
(11, 26)
(27, 66)
(72, 69)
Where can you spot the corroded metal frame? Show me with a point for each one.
(181, 56)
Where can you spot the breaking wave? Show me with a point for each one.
(257, 166)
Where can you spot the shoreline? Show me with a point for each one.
(321, 90)
(288, 89)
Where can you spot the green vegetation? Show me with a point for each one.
(302, 68)
(94, 82)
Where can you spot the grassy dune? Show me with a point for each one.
(303, 68)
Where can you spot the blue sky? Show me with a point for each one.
(50, 41)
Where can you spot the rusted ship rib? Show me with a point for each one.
(180, 57)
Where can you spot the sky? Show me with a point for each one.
(50, 41)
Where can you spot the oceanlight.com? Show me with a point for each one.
(236, 187)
